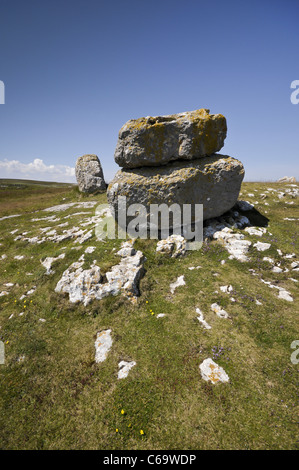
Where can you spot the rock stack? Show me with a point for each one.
(89, 174)
(173, 159)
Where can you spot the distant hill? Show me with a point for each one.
(8, 182)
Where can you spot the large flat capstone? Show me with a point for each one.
(155, 141)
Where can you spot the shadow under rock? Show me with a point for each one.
(255, 217)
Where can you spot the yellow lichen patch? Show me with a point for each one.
(213, 376)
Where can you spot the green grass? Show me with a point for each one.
(59, 398)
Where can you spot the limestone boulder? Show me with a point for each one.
(212, 181)
(89, 174)
(155, 141)
(287, 179)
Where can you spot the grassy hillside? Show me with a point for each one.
(27, 195)
(54, 396)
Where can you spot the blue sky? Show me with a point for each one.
(76, 70)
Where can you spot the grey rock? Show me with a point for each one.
(85, 285)
(212, 181)
(174, 246)
(155, 141)
(89, 174)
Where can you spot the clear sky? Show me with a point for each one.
(76, 70)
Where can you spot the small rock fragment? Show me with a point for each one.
(179, 282)
(201, 319)
(103, 345)
(211, 372)
(124, 369)
(220, 312)
(262, 246)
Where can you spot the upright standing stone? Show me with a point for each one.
(89, 174)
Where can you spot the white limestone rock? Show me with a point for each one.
(87, 285)
(3, 293)
(201, 319)
(276, 269)
(102, 344)
(174, 245)
(220, 312)
(234, 243)
(47, 263)
(287, 179)
(226, 289)
(262, 246)
(283, 293)
(211, 372)
(179, 282)
(257, 231)
(124, 369)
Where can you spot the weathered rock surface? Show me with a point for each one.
(201, 319)
(179, 282)
(85, 285)
(124, 368)
(89, 174)
(220, 312)
(287, 179)
(283, 293)
(211, 372)
(212, 181)
(102, 344)
(174, 246)
(155, 141)
(234, 243)
(47, 263)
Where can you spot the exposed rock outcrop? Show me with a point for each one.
(287, 179)
(85, 285)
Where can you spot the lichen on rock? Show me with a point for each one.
(155, 141)
(89, 174)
